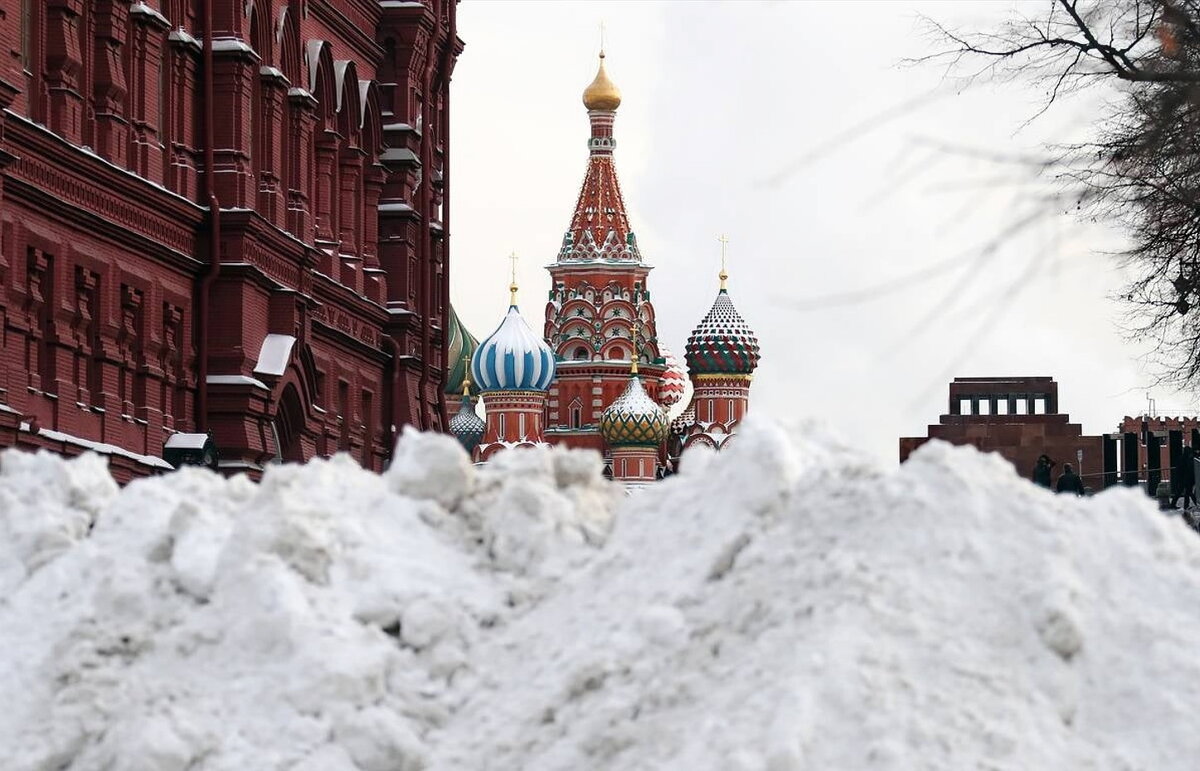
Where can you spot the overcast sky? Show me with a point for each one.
(778, 124)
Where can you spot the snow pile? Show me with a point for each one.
(310, 622)
(786, 605)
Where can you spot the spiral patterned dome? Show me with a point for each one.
(684, 421)
(466, 425)
(513, 358)
(722, 343)
(633, 418)
(673, 384)
(460, 346)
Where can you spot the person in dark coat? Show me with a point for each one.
(1041, 472)
(1069, 481)
(1184, 478)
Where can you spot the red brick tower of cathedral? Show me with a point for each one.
(598, 294)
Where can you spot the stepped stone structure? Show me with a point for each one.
(1019, 418)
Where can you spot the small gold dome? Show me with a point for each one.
(602, 94)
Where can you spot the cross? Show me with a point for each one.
(466, 374)
(637, 351)
(601, 39)
(512, 288)
(724, 244)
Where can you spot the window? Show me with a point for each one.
(319, 396)
(500, 422)
(576, 417)
(368, 417)
(26, 34)
(343, 408)
(581, 354)
(521, 426)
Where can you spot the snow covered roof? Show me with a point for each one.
(101, 448)
(236, 380)
(274, 355)
(186, 441)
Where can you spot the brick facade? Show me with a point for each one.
(306, 315)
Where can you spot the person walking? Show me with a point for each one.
(1183, 477)
(1069, 481)
(1041, 471)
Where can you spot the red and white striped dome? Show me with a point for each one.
(674, 382)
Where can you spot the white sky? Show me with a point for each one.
(722, 102)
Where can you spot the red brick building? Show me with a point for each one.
(1157, 442)
(225, 217)
(1019, 418)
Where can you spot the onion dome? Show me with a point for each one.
(466, 425)
(673, 384)
(686, 420)
(602, 93)
(513, 358)
(633, 418)
(459, 349)
(722, 343)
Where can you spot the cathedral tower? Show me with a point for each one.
(599, 295)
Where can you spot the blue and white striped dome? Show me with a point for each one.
(513, 358)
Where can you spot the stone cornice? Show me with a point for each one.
(65, 177)
(356, 31)
(85, 219)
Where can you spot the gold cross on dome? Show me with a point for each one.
(512, 287)
(637, 351)
(724, 245)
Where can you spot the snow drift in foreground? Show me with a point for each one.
(786, 605)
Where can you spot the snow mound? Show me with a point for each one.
(785, 605)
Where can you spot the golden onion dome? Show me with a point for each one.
(602, 93)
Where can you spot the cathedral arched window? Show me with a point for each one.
(581, 354)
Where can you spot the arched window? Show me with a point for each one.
(576, 417)
(616, 353)
(581, 354)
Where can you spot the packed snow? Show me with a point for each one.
(785, 605)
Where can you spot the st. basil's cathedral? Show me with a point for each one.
(598, 376)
